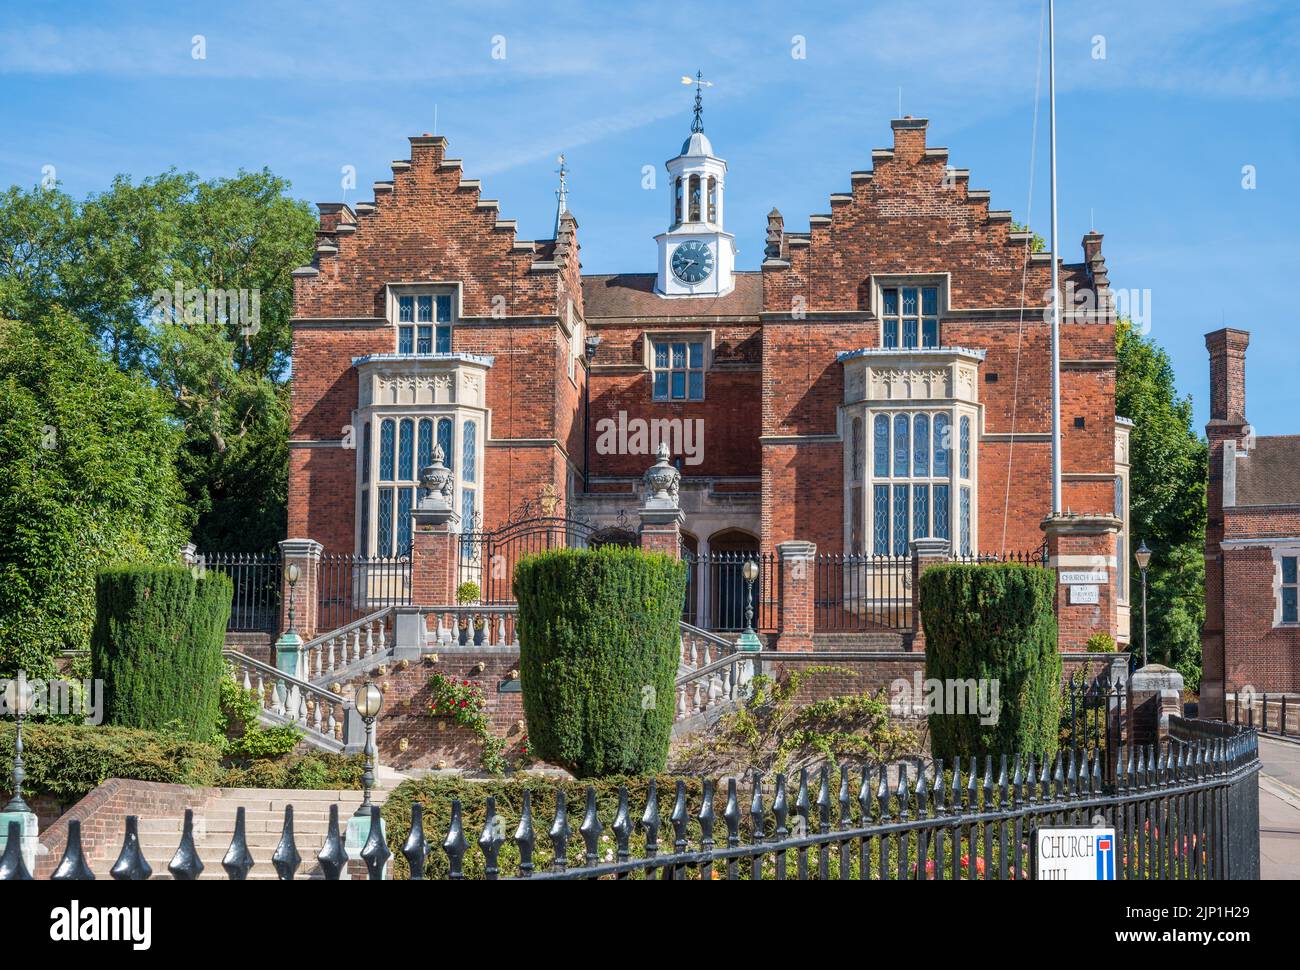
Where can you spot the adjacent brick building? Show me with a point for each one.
(1251, 637)
(881, 377)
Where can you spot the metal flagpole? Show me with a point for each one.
(1056, 297)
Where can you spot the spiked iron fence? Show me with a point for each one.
(1187, 809)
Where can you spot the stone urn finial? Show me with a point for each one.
(662, 480)
(438, 479)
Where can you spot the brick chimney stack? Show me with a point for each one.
(1227, 349)
(909, 138)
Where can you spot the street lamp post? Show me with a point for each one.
(292, 573)
(368, 699)
(19, 698)
(749, 639)
(1143, 557)
(592, 343)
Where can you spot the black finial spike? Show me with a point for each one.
(375, 852)
(756, 810)
(650, 818)
(333, 858)
(864, 795)
(286, 857)
(73, 865)
(622, 826)
(679, 817)
(781, 808)
(491, 839)
(882, 793)
(921, 792)
(731, 814)
(937, 792)
(824, 800)
(846, 803)
(560, 832)
(705, 817)
(801, 801)
(591, 828)
(526, 837)
(238, 860)
(131, 865)
(416, 848)
(454, 845)
(186, 865)
(900, 793)
(12, 866)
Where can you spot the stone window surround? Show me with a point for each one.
(1280, 552)
(373, 370)
(886, 281)
(651, 337)
(450, 288)
(960, 366)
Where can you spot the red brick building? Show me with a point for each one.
(879, 378)
(1251, 638)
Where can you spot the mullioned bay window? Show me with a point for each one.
(911, 461)
(408, 407)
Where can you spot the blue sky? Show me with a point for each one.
(1152, 141)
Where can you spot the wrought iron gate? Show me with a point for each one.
(488, 559)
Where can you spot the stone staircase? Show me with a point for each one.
(214, 827)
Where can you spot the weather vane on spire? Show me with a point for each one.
(698, 124)
(561, 194)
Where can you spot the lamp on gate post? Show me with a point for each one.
(289, 646)
(19, 697)
(593, 342)
(1143, 557)
(292, 573)
(368, 700)
(749, 639)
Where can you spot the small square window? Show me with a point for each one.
(678, 369)
(424, 323)
(909, 316)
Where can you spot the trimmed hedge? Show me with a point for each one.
(993, 623)
(67, 761)
(157, 646)
(599, 648)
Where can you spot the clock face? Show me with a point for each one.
(692, 262)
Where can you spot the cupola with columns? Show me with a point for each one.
(696, 257)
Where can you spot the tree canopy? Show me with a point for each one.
(1166, 502)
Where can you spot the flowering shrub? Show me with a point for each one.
(460, 700)
(463, 702)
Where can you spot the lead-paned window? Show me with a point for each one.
(424, 323)
(910, 316)
(1291, 589)
(678, 368)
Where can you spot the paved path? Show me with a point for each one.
(1279, 809)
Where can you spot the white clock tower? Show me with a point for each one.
(696, 258)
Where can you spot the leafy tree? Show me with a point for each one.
(87, 477)
(1166, 502)
(116, 262)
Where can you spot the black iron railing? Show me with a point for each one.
(1187, 809)
(1027, 557)
(853, 592)
(255, 607)
(350, 587)
(716, 591)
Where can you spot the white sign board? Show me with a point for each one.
(1085, 594)
(1074, 853)
(1083, 578)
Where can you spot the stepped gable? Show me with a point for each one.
(430, 223)
(911, 213)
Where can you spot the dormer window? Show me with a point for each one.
(423, 323)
